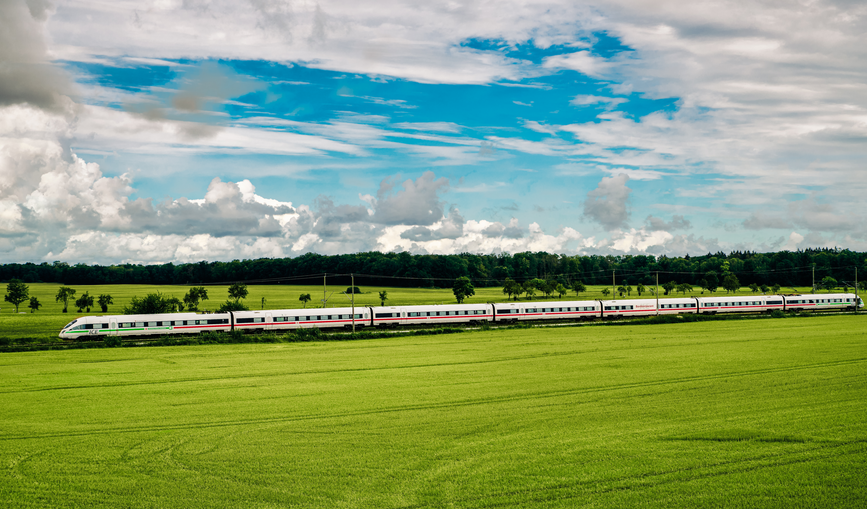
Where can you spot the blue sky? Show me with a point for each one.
(180, 131)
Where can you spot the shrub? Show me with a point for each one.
(111, 341)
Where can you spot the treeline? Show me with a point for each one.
(406, 270)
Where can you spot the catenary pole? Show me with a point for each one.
(657, 294)
(353, 301)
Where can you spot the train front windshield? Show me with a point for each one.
(70, 324)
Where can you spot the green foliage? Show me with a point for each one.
(775, 289)
(84, 302)
(621, 290)
(16, 293)
(151, 304)
(111, 341)
(193, 297)
(104, 300)
(304, 298)
(238, 291)
(731, 283)
(34, 304)
(510, 287)
(828, 283)
(640, 289)
(383, 296)
(463, 288)
(353, 289)
(64, 293)
(765, 289)
(578, 287)
(606, 292)
(669, 287)
(529, 288)
(684, 288)
(561, 290)
(754, 287)
(712, 281)
(232, 305)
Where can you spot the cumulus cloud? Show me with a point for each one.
(26, 74)
(417, 203)
(451, 227)
(607, 204)
(677, 222)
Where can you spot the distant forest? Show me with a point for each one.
(406, 270)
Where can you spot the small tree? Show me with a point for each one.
(578, 287)
(305, 298)
(529, 289)
(775, 288)
(548, 286)
(731, 283)
(64, 293)
(193, 296)
(712, 281)
(151, 304)
(754, 288)
(104, 300)
(383, 296)
(684, 288)
(353, 289)
(263, 302)
(561, 290)
(628, 290)
(669, 287)
(510, 287)
(463, 288)
(238, 291)
(765, 288)
(34, 304)
(640, 289)
(828, 283)
(84, 302)
(621, 290)
(16, 292)
(605, 291)
(232, 306)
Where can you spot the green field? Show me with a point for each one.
(748, 413)
(45, 324)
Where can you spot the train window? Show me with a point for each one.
(139, 324)
(382, 315)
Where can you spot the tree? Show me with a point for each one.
(702, 283)
(193, 296)
(238, 291)
(232, 306)
(263, 302)
(151, 304)
(84, 302)
(640, 289)
(712, 281)
(34, 304)
(511, 287)
(669, 287)
(463, 288)
(684, 288)
(828, 283)
(305, 298)
(578, 287)
(765, 289)
(862, 285)
(64, 293)
(529, 289)
(776, 288)
(621, 290)
(628, 290)
(16, 292)
(383, 296)
(104, 300)
(605, 291)
(754, 288)
(731, 283)
(561, 290)
(353, 289)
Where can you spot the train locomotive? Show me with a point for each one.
(390, 316)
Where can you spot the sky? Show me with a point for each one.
(187, 130)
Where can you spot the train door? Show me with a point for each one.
(112, 326)
(268, 321)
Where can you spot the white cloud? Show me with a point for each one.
(607, 204)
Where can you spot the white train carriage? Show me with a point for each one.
(432, 315)
(289, 319)
(146, 325)
(633, 307)
(821, 302)
(739, 304)
(677, 306)
(515, 311)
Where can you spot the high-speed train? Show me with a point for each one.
(386, 316)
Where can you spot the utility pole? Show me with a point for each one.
(813, 290)
(324, 297)
(613, 285)
(856, 290)
(657, 294)
(353, 301)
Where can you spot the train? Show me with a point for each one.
(390, 316)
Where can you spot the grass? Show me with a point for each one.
(45, 324)
(759, 413)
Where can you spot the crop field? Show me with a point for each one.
(750, 413)
(45, 324)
